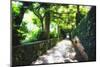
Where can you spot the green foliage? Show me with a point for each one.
(31, 36)
(62, 18)
(16, 7)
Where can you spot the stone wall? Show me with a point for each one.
(25, 54)
(86, 31)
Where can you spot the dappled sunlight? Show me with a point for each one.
(61, 53)
(45, 33)
(53, 27)
(32, 27)
(16, 7)
(28, 16)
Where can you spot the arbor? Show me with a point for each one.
(34, 21)
(37, 27)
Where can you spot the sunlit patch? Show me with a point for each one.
(28, 16)
(31, 27)
(61, 53)
(53, 26)
(17, 3)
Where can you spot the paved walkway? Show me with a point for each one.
(61, 53)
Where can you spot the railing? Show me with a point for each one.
(28, 52)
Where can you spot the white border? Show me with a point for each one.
(5, 33)
(85, 2)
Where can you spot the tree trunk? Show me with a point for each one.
(47, 22)
(18, 19)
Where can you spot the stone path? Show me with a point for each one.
(61, 53)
